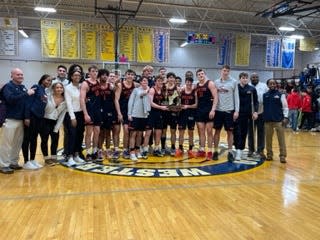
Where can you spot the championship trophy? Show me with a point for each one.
(173, 102)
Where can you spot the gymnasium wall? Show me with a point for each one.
(191, 57)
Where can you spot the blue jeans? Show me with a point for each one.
(259, 137)
(293, 118)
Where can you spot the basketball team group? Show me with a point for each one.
(92, 109)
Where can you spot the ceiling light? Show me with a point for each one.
(286, 29)
(316, 48)
(184, 44)
(296, 37)
(177, 20)
(23, 33)
(45, 9)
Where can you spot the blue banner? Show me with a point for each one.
(224, 51)
(288, 52)
(273, 52)
(161, 45)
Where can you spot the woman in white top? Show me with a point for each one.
(74, 120)
(53, 118)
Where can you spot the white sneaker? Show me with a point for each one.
(78, 159)
(138, 154)
(36, 164)
(238, 155)
(71, 162)
(29, 166)
(133, 157)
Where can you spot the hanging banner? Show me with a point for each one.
(89, 41)
(69, 39)
(273, 52)
(50, 38)
(224, 51)
(307, 44)
(201, 38)
(8, 36)
(144, 44)
(161, 41)
(107, 44)
(127, 42)
(288, 52)
(243, 42)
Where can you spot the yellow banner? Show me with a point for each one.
(144, 44)
(107, 44)
(50, 38)
(307, 44)
(89, 41)
(243, 42)
(127, 42)
(69, 39)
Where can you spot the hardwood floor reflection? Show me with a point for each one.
(274, 201)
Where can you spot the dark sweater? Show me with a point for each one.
(37, 102)
(247, 94)
(272, 106)
(15, 96)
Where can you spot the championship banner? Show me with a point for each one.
(243, 42)
(127, 42)
(50, 38)
(161, 41)
(8, 36)
(144, 44)
(69, 39)
(273, 52)
(307, 44)
(224, 51)
(88, 41)
(288, 52)
(107, 44)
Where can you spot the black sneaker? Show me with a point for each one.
(230, 157)
(157, 153)
(269, 158)
(88, 157)
(15, 166)
(144, 154)
(215, 156)
(6, 170)
(94, 156)
(283, 160)
(263, 156)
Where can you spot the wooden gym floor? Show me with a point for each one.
(273, 201)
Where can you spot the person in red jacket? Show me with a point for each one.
(306, 109)
(294, 104)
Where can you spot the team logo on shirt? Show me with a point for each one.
(167, 166)
(222, 89)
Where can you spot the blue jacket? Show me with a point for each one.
(15, 98)
(37, 102)
(272, 106)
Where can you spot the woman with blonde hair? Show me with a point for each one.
(55, 111)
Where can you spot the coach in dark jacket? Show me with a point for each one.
(15, 95)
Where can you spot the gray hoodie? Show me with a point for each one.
(139, 103)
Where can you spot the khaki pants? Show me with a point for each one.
(11, 136)
(269, 129)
